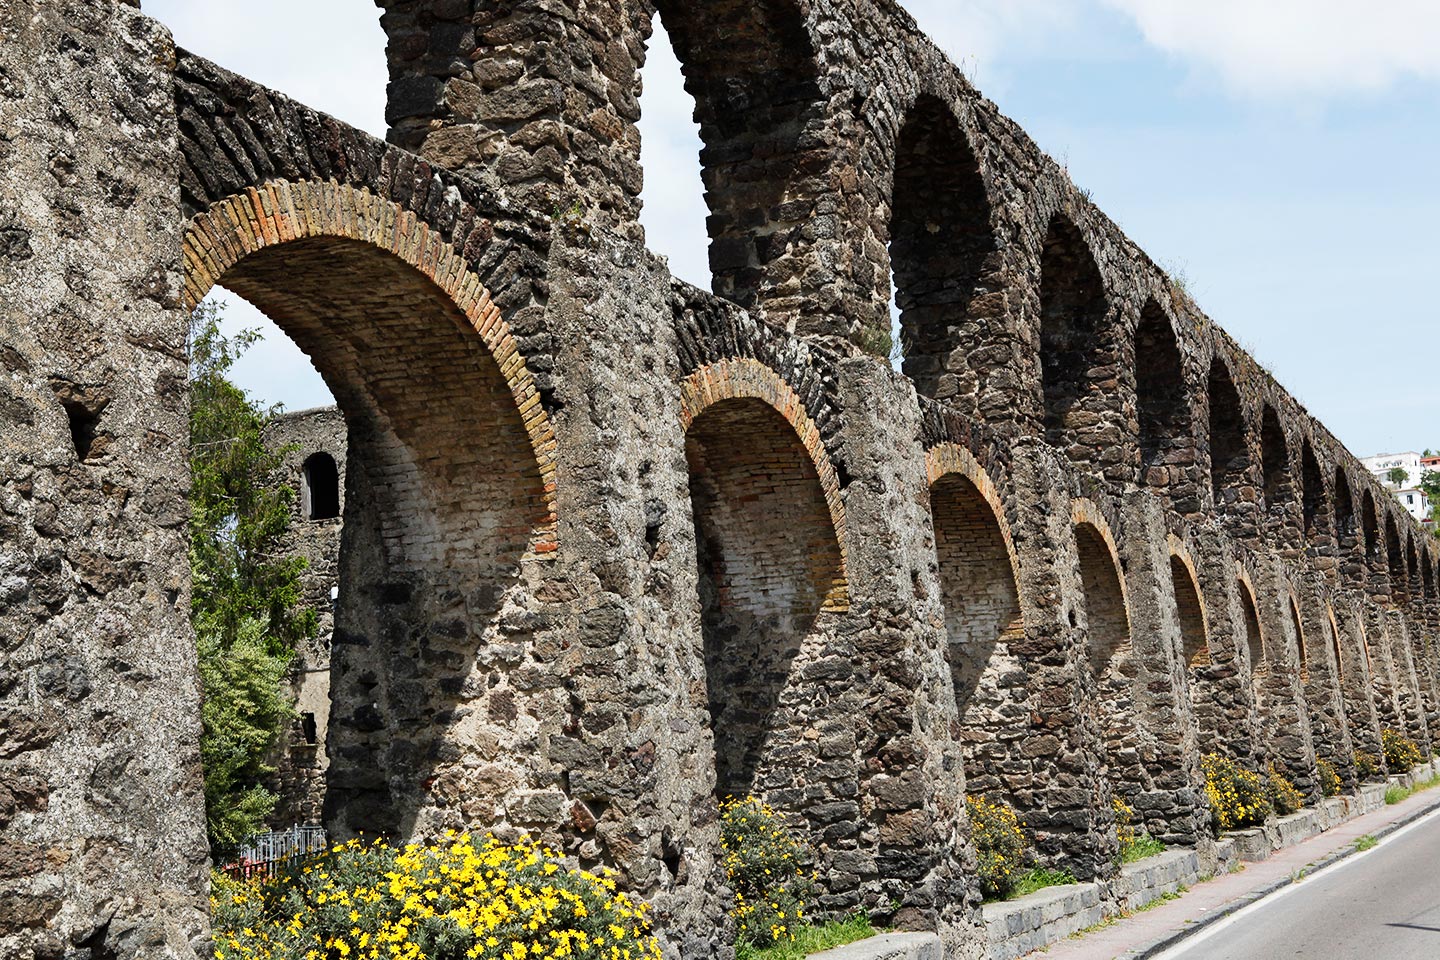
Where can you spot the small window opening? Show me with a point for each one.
(308, 730)
(320, 495)
(83, 407)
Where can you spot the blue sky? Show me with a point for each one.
(1282, 154)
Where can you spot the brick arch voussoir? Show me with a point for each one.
(749, 379)
(944, 459)
(282, 211)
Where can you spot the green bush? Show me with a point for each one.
(1237, 797)
(1283, 795)
(1134, 844)
(1329, 779)
(765, 867)
(1401, 753)
(999, 842)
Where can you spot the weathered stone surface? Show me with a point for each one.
(613, 547)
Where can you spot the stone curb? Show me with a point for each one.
(1156, 947)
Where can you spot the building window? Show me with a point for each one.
(320, 491)
(308, 730)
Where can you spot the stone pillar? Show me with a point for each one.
(1281, 694)
(1223, 699)
(1407, 680)
(1169, 801)
(914, 835)
(102, 833)
(1057, 787)
(1323, 689)
(1357, 684)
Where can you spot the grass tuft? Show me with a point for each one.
(1395, 794)
(1366, 842)
(1141, 847)
(1038, 879)
(812, 939)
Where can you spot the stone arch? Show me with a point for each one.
(751, 68)
(941, 240)
(1229, 436)
(1345, 532)
(1313, 499)
(1162, 400)
(770, 531)
(1274, 459)
(450, 477)
(1370, 528)
(1292, 607)
(1107, 603)
(1254, 636)
(1073, 313)
(1395, 560)
(979, 579)
(1189, 604)
(1109, 654)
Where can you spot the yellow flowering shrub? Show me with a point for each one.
(1135, 844)
(765, 867)
(1330, 784)
(1283, 795)
(1401, 753)
(451, 900)
(1367, 765)
(1000, 843)
(1237, 797)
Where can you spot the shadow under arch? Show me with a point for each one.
(769, 531)
(941, 242)
(979, 593)
(450, 475)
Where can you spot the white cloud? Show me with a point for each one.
(327, 54)
(1269, 48)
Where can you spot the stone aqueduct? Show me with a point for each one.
(615, 546)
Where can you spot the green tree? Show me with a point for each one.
(1430, 486)
(1398, 476)
(245, 592)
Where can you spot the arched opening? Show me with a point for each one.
(977, 582)
(1254, 640)
(1229, 447)
(1345, 533)
(445, 498)
(768, 557)
(1194, 646)
(1370, 527)
(940, 239)
(1395, 561)
(1162, 402)
(1427, 575)
(1107, 622)
(319, 487)
(750, 68)
(1274, 459)
(1299, 632)
(1073, 310)
(1105, 611)
(1313, 484)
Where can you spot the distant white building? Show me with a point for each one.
(1415, 465)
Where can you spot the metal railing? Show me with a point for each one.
(267, 851)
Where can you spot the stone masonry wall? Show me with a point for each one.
(611, 548)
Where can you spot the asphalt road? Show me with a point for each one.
(1380, 905)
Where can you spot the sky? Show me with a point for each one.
(1281, 154)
